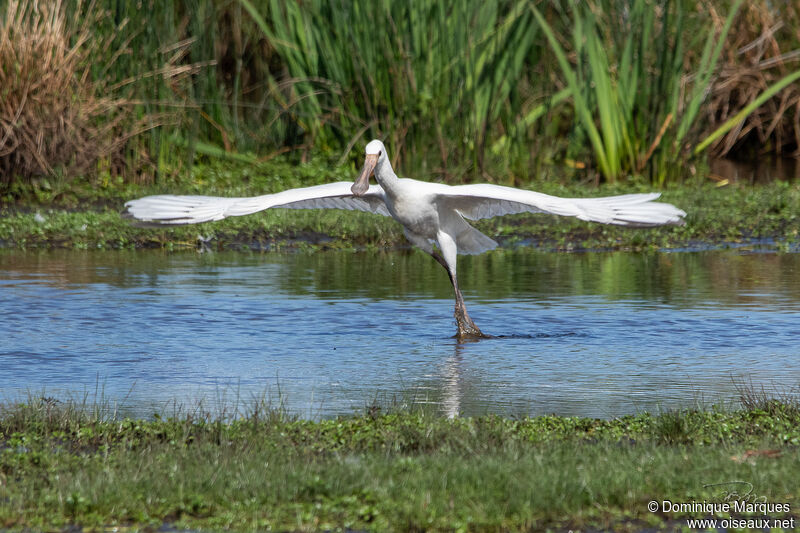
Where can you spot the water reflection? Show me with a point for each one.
(596, 334)
(679, 279)
(759, 170)
(451, 384)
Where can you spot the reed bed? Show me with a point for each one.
(764, 48)
(629, 99)
(503, 90)
(66, 109)
(53, 115)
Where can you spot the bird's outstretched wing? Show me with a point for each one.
(485, 201)
(172, 209)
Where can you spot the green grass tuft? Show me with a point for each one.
(66, 462)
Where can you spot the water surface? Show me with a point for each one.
(592, 334)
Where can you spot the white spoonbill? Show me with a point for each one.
(430, 213)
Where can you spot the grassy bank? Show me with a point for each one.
(85, 214)
(62, 465)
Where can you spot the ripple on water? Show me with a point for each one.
(599, 334)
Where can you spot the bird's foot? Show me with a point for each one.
(467, 328)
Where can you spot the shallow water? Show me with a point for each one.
(327, 333)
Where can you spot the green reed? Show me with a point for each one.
(501, 89)
(628, 84)
(436, 80)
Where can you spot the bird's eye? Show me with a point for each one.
(379, 153)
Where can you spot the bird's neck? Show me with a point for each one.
(385, 176)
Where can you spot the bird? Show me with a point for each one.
(434, 216)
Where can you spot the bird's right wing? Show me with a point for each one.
(171, 209)
(487, 200)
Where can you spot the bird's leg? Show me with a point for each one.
(466, 327)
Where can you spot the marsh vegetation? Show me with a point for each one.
(504, 91)
(252, 466)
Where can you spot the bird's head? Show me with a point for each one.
(375, 152)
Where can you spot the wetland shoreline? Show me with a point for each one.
(738, 215)
(65, 466)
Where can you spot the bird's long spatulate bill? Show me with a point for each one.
(361, 184)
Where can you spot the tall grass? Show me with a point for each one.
(77, 90)
(631, 98)
(167, 63)
(498, 89)
(54, 117)
(435, 80)
(763, 49)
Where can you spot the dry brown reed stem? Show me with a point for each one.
(60, 111)
(50, 113)
(756, 55)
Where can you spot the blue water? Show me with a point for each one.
(328, 333)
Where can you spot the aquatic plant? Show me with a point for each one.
(631, 98)
(468, 89)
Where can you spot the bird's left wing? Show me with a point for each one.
(172, 209)
(487, 200)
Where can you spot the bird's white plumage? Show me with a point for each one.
(486, 200)
(412, 204)
(171, 209)
(473, 202)
(374, 147)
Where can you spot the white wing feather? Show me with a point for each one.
(486, 200)
(471, 201)
(172, 209)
